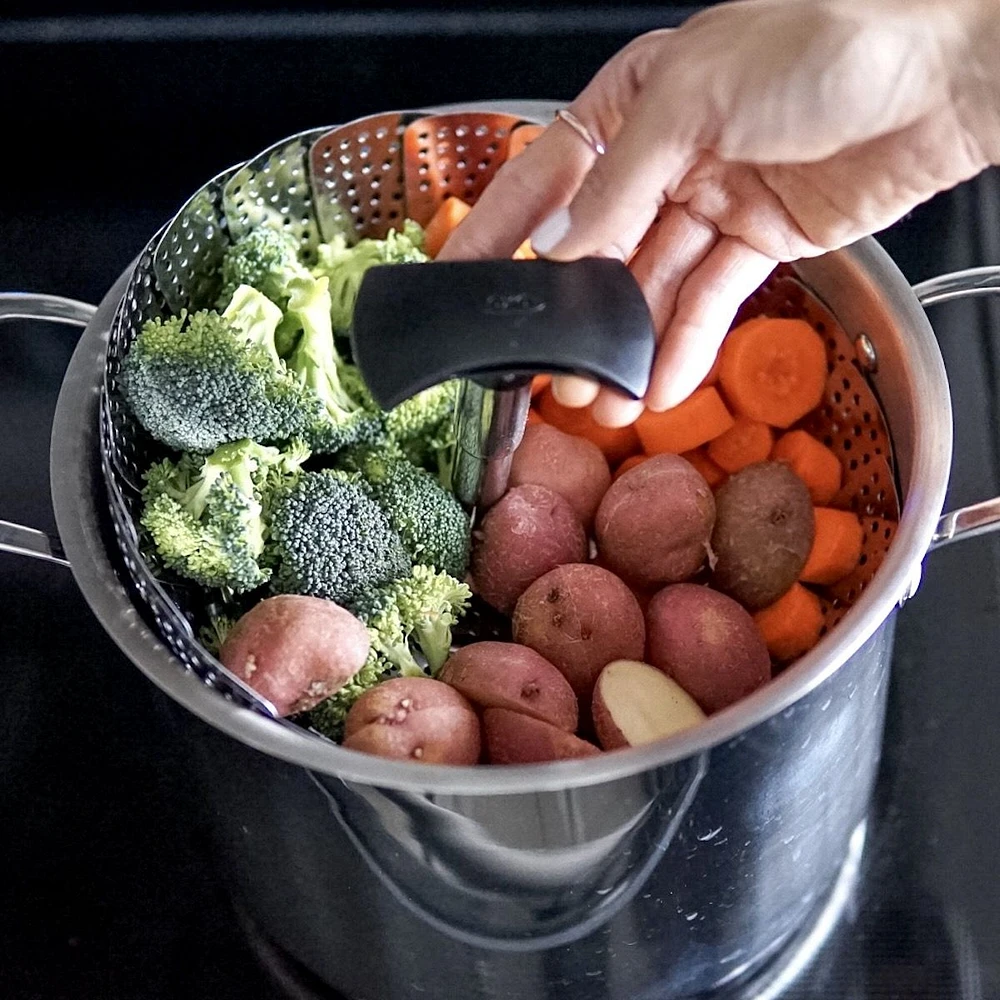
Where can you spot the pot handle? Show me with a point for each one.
(17, 538)
(977, 518)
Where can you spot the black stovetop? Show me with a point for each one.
(111, 892)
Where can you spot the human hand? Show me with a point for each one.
(759, 131)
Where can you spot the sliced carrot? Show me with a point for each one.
(792, 625)
(746, 442)
(447, 217)
(710, 472)
(525, 252)
(534, 417)
(617, 443)
(815, 464)
(773, 370)
(836, 548)
(521, 138)
(630, 463)
(538, 383)
(701, 417)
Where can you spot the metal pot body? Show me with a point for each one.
(661, 871)
(666, 883)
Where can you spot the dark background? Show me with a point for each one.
(109, 120)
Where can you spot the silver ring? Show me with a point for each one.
(581, 130)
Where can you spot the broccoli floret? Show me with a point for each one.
(423, 427)
(198, 380)
(330, 539)
(344, 418)
(433, 525)
(266, 259)
(205, 515)
(345, 265)
(420, 608)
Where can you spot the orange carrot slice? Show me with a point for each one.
(836, 547)
(701, 417)
(773, 370)
(617, 443)
(538, 383)
(521, 138)
(447, 217)
(534, 417)
(815, 464)
(630, 463)
(792, 625)
(746, 442)
(710, 472)
(713, 375)
(524, 251)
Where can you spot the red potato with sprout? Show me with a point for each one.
(528, 532)
(508, 675)
(516, 738)
(655, 521)
(414, 718)
(634, 703)
(573, 467)
(580, 617)
(295, 651)
(708, 643)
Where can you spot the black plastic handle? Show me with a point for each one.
(499, 322)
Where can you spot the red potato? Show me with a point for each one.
(414, 718)
(654, 523)
(295, 651)
(708, 643)
(508, 675)
(634, 703)
(529, 531)
(572, 466)
(580, 617)
(516, 738)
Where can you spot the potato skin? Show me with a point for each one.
(295, 650)
(508, 675)
(573, 467)
(515, 738)
(763, 533)
(655, 521)
(708, 643)
(580, 617)
(529, 531)
(414, 718)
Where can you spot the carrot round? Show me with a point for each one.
(815, 464)
(710, 472)
(534, 417)
(773, 370)
(525, 251)
(447, 217)
(713, 375)
(521, 138)
(792, 625)
(538, 383)
(701, 417)
(617, 443)
(746, 442)
(630, 463)
(836, 547)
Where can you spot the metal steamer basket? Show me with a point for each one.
(715, 860)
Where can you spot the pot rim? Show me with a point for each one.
(77, 485)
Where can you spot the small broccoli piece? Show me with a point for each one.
(213, 635)
(345, 265)
(430, 602)
(205, 515)
(265, 259)
(433, 525)
(330, 539)
(423, 427)
(198, 380)
(344, 418)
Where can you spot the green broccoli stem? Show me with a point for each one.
(434, 638)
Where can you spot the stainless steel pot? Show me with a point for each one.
(702, 863)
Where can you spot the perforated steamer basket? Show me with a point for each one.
(667, 870)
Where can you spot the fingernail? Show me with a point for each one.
(551, 232)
